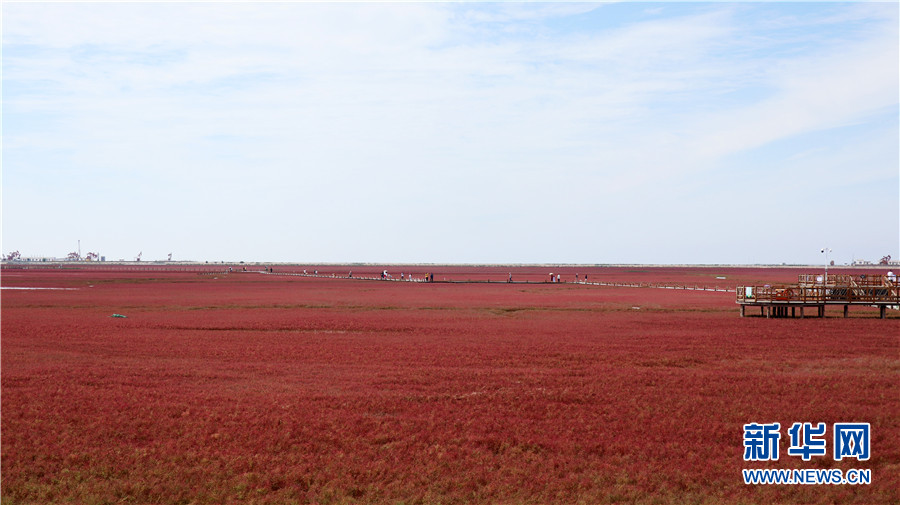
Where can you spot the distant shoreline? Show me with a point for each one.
(455, 265)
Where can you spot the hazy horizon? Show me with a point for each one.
(163, 261)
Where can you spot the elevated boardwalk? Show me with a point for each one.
(817, 291)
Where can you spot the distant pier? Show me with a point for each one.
(816, 291)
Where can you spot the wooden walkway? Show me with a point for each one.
(814, 291)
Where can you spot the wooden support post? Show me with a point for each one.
(821, 311)
(846, 310)
(793, 311)
(801, 312)
(762, 310)
(742, 309)
(881, 311)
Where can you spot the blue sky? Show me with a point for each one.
(465, 133)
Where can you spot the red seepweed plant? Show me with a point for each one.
(251, 388)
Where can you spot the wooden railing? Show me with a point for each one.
(880, 294)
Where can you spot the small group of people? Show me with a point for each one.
(558, 278)
(265, 269)
(429, 277)
(554, 278)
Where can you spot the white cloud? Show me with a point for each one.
(828, 91)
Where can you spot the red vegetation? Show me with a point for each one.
(250, 388)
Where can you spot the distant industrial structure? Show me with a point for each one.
(884, 261)
(74, 256)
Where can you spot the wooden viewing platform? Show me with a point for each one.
(817, 291)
